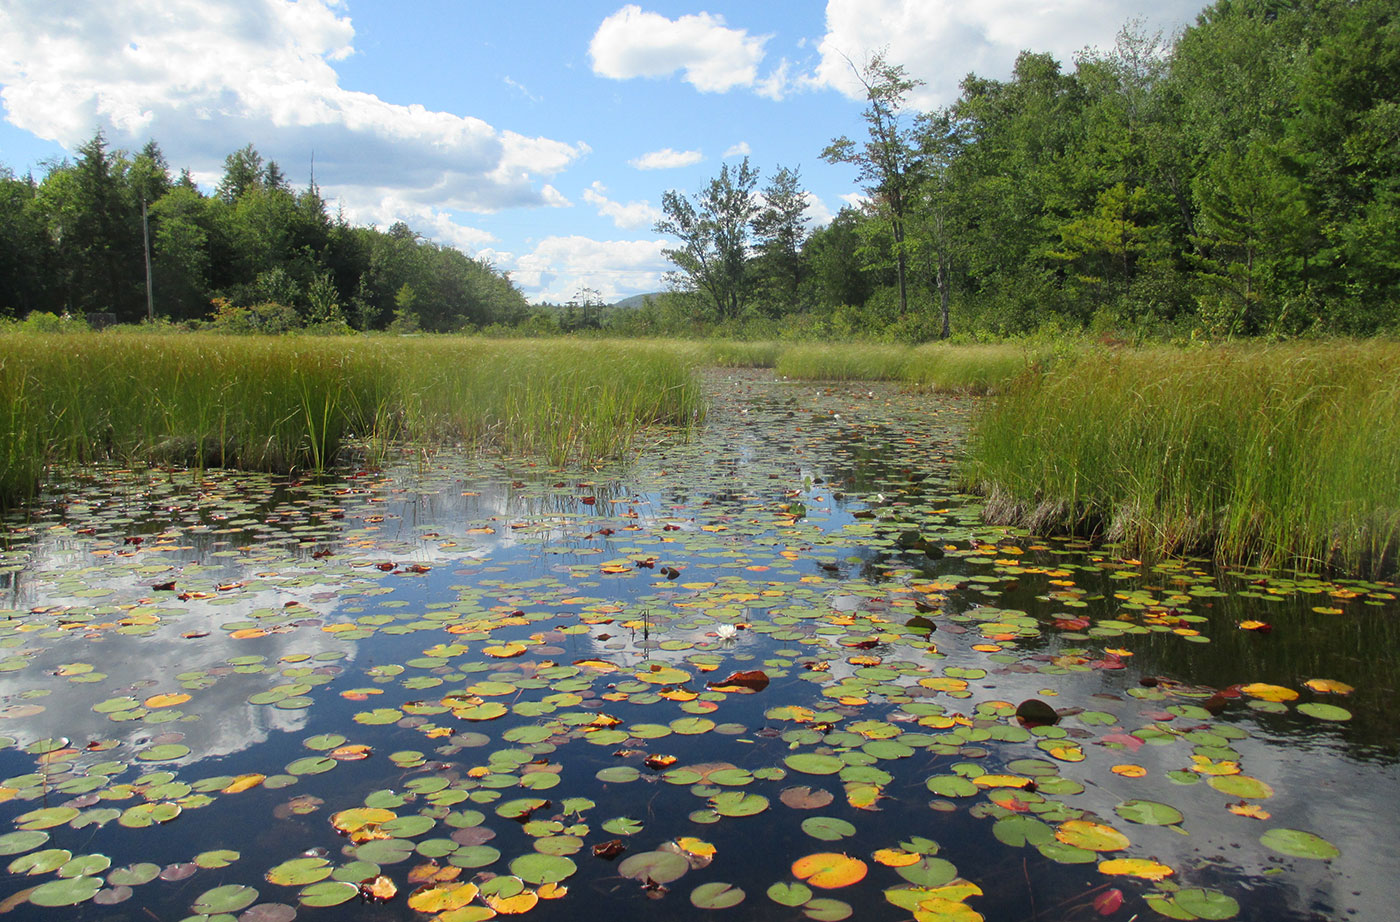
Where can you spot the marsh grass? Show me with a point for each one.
(291, 403)
(730, 353)
(940, 367)
(1268, 455)
(844, 362)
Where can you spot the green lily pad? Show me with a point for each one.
(658, 867)
(133, 875)
(542, 869)
(738, 803)
(167, 752)
(13, 843)
(1148, 813)
(1207, 904)
(812, 763)
(1322, 711)
(69, 891)
(622, 826)
(716, 895)
(1242, 786)
(45, 818)
(42, 862)
(618, 774)
(827, 828)
(789, 894)
(299, 872)
(826, 909)
(328, 893)
(1299, 844)
(228, 898)
(928, 873)
(951, 786)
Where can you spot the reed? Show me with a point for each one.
(1269, 455)
(292, 402)
(941, 367)
(844, 362)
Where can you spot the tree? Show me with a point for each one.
(887, 161)
(713, 231)
(25, 251)
(243, 171)
(933, 227)
(832, 254)
(780, 228)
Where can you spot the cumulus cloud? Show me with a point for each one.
(941, 41)
(667, 159)
(714, 58)
(629, 215)
(205, 77)
(741, 149)
(559, 266)
(818, 213)
(382, 207)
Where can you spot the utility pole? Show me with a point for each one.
(146, 245)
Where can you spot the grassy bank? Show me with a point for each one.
(1270, 455)
(936, 366)
(291, 402)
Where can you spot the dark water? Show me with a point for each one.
(495, 632)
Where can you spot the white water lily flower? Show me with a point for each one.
(726, 631)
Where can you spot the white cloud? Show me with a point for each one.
(855, 199)
(818, 214)
(559, 266)
(205, 77)
(520, 88)
(382, 207)
(667, 159)
(715, 58)
(632, 214)
(941, 41)
(741, 149)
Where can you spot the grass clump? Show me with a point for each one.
(733, 353)
(292, 402)
(1266, 454)
(941, 367)
(968, 369)
(844, 362)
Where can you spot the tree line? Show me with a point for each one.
(1243, 179)
(256, 253)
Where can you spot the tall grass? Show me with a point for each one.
(292, 402)
(962, 369)
(1271, 455)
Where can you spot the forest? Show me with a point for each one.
(1239, 179)
(256, 255)
(1242, 179)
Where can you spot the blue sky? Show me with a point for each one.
(537, 135)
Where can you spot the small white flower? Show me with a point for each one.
(726, 632)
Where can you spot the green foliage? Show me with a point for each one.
(713, 231)
(73, 243)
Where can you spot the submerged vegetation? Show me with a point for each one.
(289, 403)
(1282, 454)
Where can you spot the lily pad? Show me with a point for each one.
(228, 898)
(68, 891)
(657, 867)
(1148, 813)
(1299, 844)
(716, 895)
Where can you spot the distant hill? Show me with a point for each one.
(638, 300)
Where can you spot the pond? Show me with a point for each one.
(771, 671)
